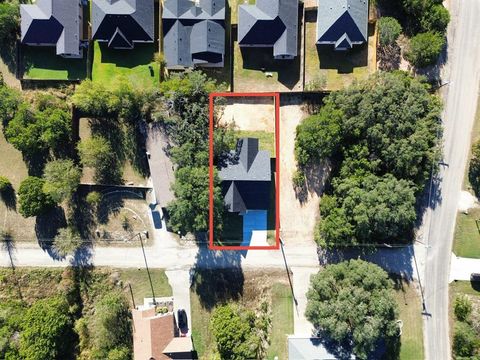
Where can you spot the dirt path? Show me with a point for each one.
(8, 77)
(297, 219)
(252, 114)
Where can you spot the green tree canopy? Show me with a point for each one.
(96, 152)
(389, 30)
(426, 15)
(33, 200)
(61, 179)
(10, 100)
(234, 333)
(319, 135)
(189, 211)
(353, 303)
(9, 17)
(425, 48)
(474, 168)
(94, 99)
(371, 209)
(465, 341)
(47, 331)
(5, 185)
(67, 241)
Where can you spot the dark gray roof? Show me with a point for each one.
(133, 19)
(193, 35)
(53, 22)
(249, 164)
(271, 23)
(309, 349)
(342, 22)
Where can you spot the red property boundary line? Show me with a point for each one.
(276, 98)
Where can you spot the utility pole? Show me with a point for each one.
(146, 266)
(288, 272)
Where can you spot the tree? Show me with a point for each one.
(389, 30)
(33, 200)
(47, 331)
(67, 241)
(10, 100)
(367, 210)
(9, 16)
(93, 99)
(111, 326)
(462, 308)
(474, 168)
(318, 136)
(189, 211)
(425, 48)
(465, 341)
(234, 333)
(426, 15)
(96, 152)
(435, 19)
(62, 178)
(353, 303)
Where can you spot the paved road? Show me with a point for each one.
(463, 72)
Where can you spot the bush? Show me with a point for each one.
(474, 168)
(389, 30)
(96, 152)
(67, 241)
(94, 198)
(425, 48)
(298, 179)
(33, 200)
(465, 342)
(462, 308)
(5, 185)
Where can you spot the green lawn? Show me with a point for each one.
(467, 235)
(282, 321)
(410, 312)
(42, 63)
(336, 69)
(110, 65)
(266, 139)
(141, 286)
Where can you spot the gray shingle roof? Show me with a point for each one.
(342, 22)
(55, 22)
(134, 19)
(193, 35)
(250, 163)
(270, 23)
(308, 349)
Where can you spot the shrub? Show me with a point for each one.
(94, 198)
(462, 308)
(298, 179)
(67, 241)
(465, 342)
(425, 48)
(5, 185)
(389, 30)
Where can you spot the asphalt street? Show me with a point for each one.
(461, 76)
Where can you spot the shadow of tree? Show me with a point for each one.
(46, 228)
(218, 276)
(136, 148)
(9, 198)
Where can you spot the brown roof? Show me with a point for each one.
(179, 345)
(151, 334)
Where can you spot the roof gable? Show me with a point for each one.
(339, 17)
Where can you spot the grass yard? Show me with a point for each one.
(410, 312)
(266, 139)
(467, 235)
(336, 69)
(111, 66)
(138, 278)
(42, 63)
(272, 287)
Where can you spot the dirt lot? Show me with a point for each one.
(252, 114)
(297, 218)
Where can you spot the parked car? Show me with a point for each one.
(182, 322)
(475, 277)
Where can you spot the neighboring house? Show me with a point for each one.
(270, 23)
(56, 23)
(154, 335)
(309, 348)
(246, 178)
(122, 23)
(342, 23)
(193, 33)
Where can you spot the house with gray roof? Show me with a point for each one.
(270, 23)
(342, 23)
(122, 23)
(193, 33)
(56, 23)
(246, 177)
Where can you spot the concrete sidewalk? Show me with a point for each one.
(301, 284)
(463, 268)
(180, 282)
